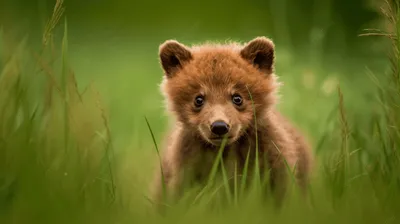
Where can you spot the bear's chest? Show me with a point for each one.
(230, 163)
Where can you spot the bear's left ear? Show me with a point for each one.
(260, 52)
(173, 56)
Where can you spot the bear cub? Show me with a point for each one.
(217, 91)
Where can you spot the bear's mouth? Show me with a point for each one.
(220, 138)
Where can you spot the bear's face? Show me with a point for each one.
(217, 90)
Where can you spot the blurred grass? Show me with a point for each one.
(75, 146)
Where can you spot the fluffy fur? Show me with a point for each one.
(217, 73)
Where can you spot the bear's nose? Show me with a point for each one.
(219, 128)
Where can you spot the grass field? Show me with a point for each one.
(76, 148)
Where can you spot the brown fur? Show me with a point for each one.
(218, 71)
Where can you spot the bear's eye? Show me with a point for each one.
(237, 99)
(199, 101)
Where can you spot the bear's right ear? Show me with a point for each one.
(260, 52)
(173, 55)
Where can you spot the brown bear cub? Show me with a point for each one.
(217, 91)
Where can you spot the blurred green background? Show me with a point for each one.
(114, 44)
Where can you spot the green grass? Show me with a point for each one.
(74, 153)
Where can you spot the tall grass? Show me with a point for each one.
(57, 161)
(55, 140)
